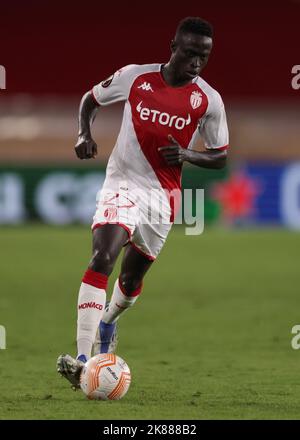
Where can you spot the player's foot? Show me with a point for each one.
(70, 368)
(106, 338)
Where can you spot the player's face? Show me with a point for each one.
(190, 53)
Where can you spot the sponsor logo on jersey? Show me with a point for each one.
(145, 86)
(163, 118)
(90, 305)
(107, 82)
(196, 99)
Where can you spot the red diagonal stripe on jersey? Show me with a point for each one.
(152, 134)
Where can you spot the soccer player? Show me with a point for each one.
(166, 106)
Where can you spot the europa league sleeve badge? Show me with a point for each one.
(107, 82)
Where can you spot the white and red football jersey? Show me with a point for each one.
(153, 110)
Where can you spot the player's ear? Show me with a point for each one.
(173, 46)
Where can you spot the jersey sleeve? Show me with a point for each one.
(213, 127)
(115, 88)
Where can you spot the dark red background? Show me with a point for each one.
(62, 47)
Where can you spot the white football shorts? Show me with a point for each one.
(144, 215)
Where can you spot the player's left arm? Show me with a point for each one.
(176, 155)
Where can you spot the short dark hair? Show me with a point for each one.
(195, 25)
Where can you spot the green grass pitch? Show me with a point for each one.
(210, 337)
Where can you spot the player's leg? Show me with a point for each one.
(108, 241)
(145, 245)
(125, 293)
(129, 284)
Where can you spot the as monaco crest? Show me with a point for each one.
(195, 99)
(110, 213)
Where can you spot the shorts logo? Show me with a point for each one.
(107, 82)
(117, 201)
(90, 305)
(110, 213)
(162, 118)
(195, 99)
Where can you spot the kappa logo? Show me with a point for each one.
(162, 118)
(145, 86)
(196, 99)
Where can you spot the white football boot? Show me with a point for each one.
(70, 368)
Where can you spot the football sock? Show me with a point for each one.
(91, 303)
(119, 303)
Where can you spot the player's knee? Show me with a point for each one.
(102, 261)
(129, 283)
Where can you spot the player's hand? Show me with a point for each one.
(173, 154)
(86, 148)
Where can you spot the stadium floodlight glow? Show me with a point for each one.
(2, 77)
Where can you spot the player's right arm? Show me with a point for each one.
(86, 147)
(114, 89)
